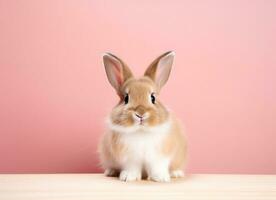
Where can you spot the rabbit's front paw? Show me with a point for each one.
(160, 177)
(177, 174)
(130, 175)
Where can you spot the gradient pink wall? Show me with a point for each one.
(54, 94)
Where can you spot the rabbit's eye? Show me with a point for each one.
(152, 98)
(126, 98)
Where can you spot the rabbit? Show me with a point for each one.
(143, 138)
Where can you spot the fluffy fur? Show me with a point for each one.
(143, 139)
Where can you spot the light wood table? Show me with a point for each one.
(96, 186)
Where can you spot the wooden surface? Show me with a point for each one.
(96, 186)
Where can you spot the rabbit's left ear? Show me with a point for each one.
(116, 70)
(160, 69)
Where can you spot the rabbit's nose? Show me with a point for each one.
(139, 116)
(140, 110)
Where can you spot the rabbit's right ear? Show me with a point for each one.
(160, 69)
(116, 70)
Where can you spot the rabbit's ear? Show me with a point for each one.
(160, 69)
(116, 70)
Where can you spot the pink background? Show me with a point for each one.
(54, 94)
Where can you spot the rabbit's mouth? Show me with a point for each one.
(140, 119)
(141, 122)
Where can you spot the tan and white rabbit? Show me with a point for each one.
(143, 138)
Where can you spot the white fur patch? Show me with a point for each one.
(144, 151)
(130, 175)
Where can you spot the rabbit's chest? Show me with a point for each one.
(144, 146)
(141, 144)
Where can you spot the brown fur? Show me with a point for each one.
(139, 91)
(111, 149)
(175, 146)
